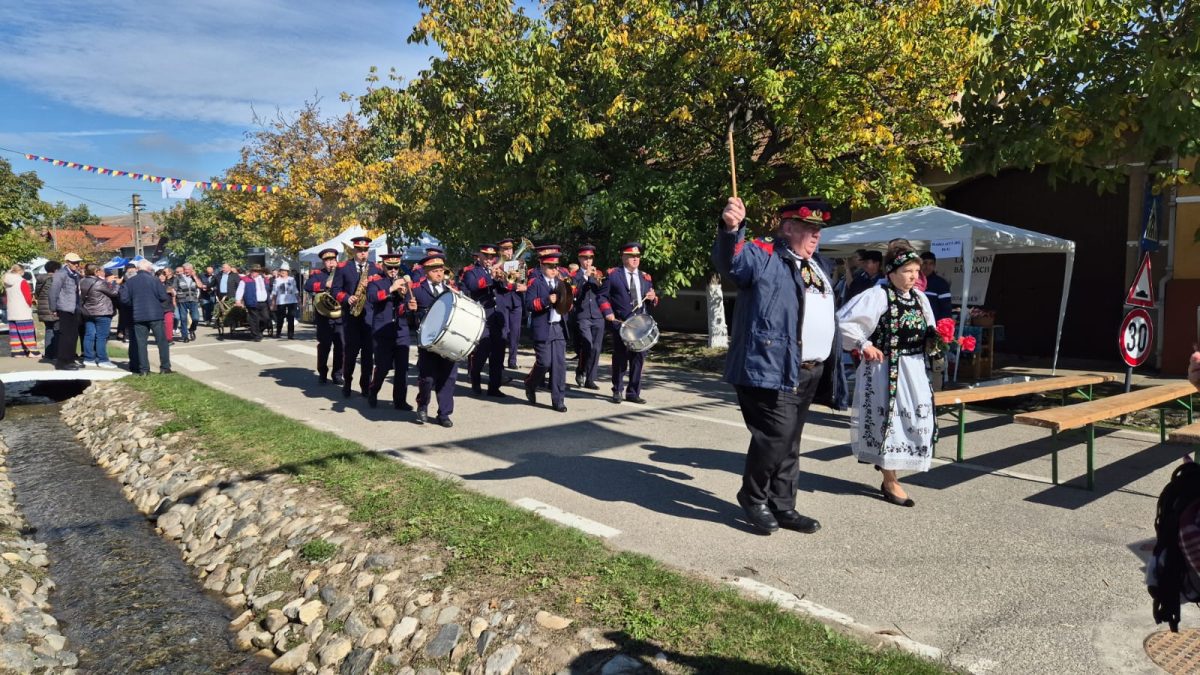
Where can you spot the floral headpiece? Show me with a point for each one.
(902, 260)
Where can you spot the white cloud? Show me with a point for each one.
(209, 61)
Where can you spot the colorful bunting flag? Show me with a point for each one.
(214, 185)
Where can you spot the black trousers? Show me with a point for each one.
(258, 317)
(68, 337)
(285, 312)
(356, 338)
(329, 335)
(491, 350)
(776, 420)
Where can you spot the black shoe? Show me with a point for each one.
(347, 391)
(373, 400)
(512, 364)
(401, 405)
(166, 371)
(66, 366)
(476, 390)
(337, 379)
(560, 408)
(258, 339)
(193, 338)
(893, 499)
(635, 399)
(422, 416)
(591, 385)
(790, 520)
(445, 421)
(615, 398)
(322, 378)
(578, 379)
(496, 393)
(531, 394)
(758, 515)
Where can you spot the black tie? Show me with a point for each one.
(361, 268)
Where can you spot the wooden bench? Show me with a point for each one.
(1189, 435)
(1087, 414)
(957, 399)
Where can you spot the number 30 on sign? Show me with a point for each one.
(1137, 335)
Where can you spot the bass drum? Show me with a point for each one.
(639, 332)
(452, 326)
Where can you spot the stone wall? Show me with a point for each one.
(30, 641)
(370, 606)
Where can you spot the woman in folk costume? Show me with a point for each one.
(18, 301)
(889, 325)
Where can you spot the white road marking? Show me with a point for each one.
(191, 363)
(224, 386)
(569, 519)
(790, 601)
(740, 425)
(254, 357)
(307, 350)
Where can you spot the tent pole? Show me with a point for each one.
(1062, 307)
(964, 312)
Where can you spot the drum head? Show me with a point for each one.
(436, 319)
(636, 327)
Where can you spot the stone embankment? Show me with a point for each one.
(309, 590)
(30, 641)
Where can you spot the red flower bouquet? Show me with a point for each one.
(945, 330)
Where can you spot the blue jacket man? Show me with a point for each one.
(783, 352)
(511, 304)
(589, 311)
(145, 295)
(548, 329)
(435, 373)
(483, 283)
(356, 336)
(389, 304)
(628, 291)
(329, 335)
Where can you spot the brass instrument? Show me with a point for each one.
(325, 305)
(516, 272)
(357, 308)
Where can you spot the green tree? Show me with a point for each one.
(20, 205)
(606, 121)
(19, 245)
(204, 232)
(1085, 86)
(71, 217)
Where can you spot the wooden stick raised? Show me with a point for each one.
(732, 160)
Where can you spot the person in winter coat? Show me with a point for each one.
(98, 293)
(64, 302)
(44, 314)
(18, 305)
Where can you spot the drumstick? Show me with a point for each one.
(732, 160)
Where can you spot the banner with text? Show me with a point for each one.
(981, 274)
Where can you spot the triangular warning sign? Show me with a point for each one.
(1141, 293)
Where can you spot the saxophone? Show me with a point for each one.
(357, 308)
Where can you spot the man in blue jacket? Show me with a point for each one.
(549, 333)
(483, 282)
(145, 295)
(783, 353)
(628, 291)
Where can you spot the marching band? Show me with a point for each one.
(370, 315)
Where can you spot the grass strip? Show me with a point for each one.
(698, 623)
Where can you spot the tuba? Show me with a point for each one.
(515, 268)
(327, 306)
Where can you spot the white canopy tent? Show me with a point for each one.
(933, 223)
(379, 245)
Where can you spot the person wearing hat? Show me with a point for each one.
(329, 334)
(252, 294)
(549, 331)
(435, 373)
(867, 275)
(356, 335)
(418, 270)
(482, 283)
(510, 303)
(629, 291)
(285, 298)
(66, 305)
(784, 351)
(589, 311)
(391, 302)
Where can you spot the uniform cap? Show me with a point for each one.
(327, 253)
(632, 248)
(361, 242)
(811, 210)
(587, 249)
(551, 259)
(487, 249)
(505, 243)
(433, 262)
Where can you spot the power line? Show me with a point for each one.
(71, 194)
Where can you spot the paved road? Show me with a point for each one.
(997, 568)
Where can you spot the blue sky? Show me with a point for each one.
(171, 88)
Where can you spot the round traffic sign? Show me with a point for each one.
(1137, 336)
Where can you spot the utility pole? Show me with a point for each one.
(137, 230)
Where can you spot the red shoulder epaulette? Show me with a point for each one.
(342, 264)
(374, 277)
(645, 276)
(767, 247)
(611, 271)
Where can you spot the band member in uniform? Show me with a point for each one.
(510, 303)
(418, 270)
(549, 331)
(349, 287)
(434, 372)
(329, 332)
(589, 311)
(391, 303)
(784, 352)
(482, 283)
(628, 291)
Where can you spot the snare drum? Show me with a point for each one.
(639, 332)
(452, 327)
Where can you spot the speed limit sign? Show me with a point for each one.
(1137, 334)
